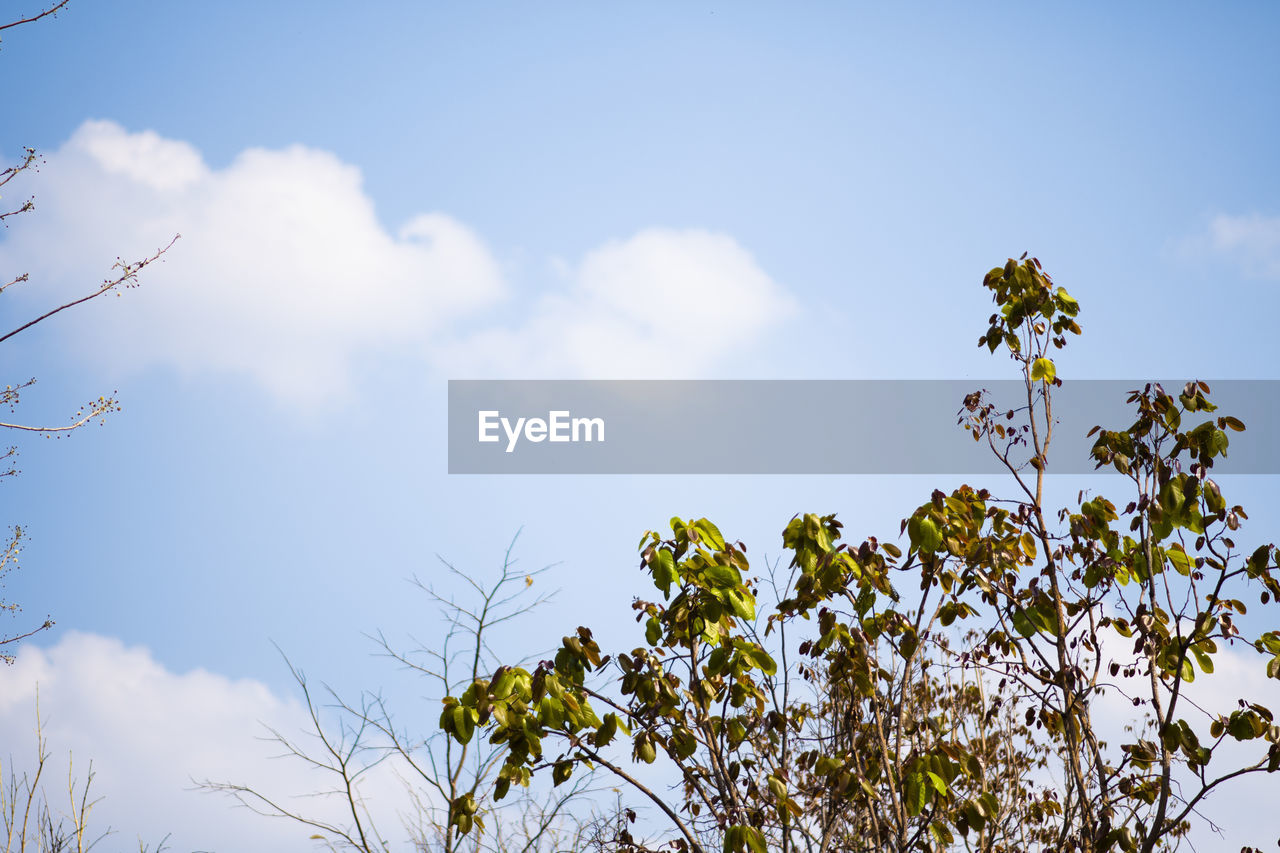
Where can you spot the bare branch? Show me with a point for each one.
(128, 277)
(52, 10)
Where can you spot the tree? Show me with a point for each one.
(843, 715)
(123, 274)
(351, 740)
(31, 823)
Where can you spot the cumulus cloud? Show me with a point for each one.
(1251, 241)
(663, 304)
(285, 274)
(149, 732)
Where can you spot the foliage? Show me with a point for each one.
(847, 716)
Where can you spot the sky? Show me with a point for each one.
(375, 201)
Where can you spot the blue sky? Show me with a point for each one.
(374, 203)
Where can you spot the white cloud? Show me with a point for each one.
(146, 157)
(283, 271)
(663, 304)
(149, 732)
(1252, 241)
(285, 274)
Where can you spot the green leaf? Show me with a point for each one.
(917, 794)
(1045, 617)
(761, 660)
(653, 631)
(663, 566)
(722, 577)
(1043, 369)
(644, 748)
(502, 684)
(924, 534)
(942, 833)
(740, 838)
(908, 643)
(1181, 562)
(1022, 623)
(715, 663)
(463, 724)
(947, 614)
(1028, 545)
(975, 813)
(710, 534)
(1218, 443)
(551, 712)
(742, 603)
(1067, 303)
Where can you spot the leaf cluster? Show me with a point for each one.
(968, 714)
